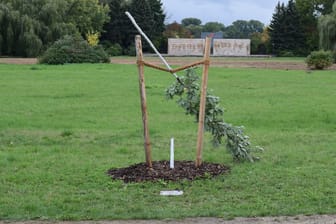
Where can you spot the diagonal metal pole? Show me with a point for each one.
(152, 45)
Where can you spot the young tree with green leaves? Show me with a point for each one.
(188, 94)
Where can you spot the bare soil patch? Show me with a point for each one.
(225, 62)
(22, 61)
(183, 170)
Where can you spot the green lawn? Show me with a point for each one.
(63, 127)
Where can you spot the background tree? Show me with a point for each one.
(194, 25)
(87, 15)
(260, 42)
(327, 31)
(148, 14)
(243, 29)
(213, 27)
(159, 18)
(195, 30)
(141, 11)
(29, 27)
(286, 32)
(309, 12)
(277, 28)
(323, 7)
(191, 21)
(176, 30)
(112, 31)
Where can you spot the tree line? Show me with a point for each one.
(294, 28)
(29, 27)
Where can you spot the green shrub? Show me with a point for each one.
(130, 51)
(319, 59)
(73, 49)
(115, 50)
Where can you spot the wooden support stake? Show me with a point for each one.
(143, 99)
(203, 102)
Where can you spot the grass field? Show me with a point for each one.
(63, 127)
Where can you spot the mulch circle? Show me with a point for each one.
(183, 170)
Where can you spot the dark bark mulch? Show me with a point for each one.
(183, 170)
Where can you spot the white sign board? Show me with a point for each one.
(185, 47)
(231, 47)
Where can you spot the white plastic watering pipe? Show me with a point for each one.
(151, 44)
(172, 153)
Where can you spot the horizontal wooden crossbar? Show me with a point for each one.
(148, 64)
(189, 66)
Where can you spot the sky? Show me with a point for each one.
(223, 11)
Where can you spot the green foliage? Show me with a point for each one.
(320, 59)
(73, 49)
(334, 56)
(307, 11)
(213, 27)
(195, 30)
(18, 33)
(191, 21)
(260, 42)
(193, 25)
(87, 15)
(112, 49)
(238, 29)
(149, 15)
(175, 30)
(130, 51)
(29, 27)
(321, 7)
(243, 29)
(117, 27)
(237, 142)
(286, 30)
(327, 30)
(30, 44)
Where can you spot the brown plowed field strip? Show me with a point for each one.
(224, 62)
